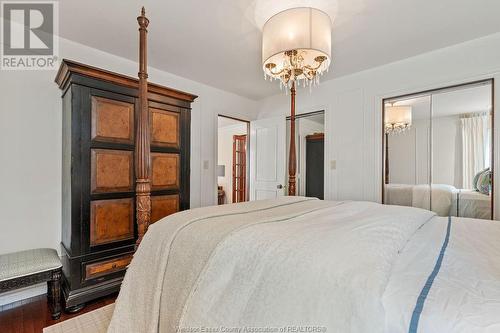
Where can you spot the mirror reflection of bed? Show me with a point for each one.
(438, 151)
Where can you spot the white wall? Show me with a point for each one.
(353, 110)
(225, 155)
(30, 145)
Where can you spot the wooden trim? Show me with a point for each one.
(315, 136)
(248, 166)
(234, 118)
(239, 193)
(69, 67)
(307, 114)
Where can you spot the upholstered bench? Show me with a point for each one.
(26, 268)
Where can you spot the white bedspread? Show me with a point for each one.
(440, 199)
(465, 295)
(288, 262)
(473, 204)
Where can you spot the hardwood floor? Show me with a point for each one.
(32, 315)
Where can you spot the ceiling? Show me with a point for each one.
(467, 99)
(217, 43)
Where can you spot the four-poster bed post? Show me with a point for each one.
(292, 157)
(142, 147)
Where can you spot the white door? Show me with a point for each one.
(267, 158)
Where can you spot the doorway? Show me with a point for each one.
(310, 152)
(232, 160)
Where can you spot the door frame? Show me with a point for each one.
(319, 111)
(491, 81)
(247, 194)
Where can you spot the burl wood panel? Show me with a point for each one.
(165, 128)
(111, 220)
(112, 121)
(165, 171)
(163, 205)
(107, 266)
(112, 170)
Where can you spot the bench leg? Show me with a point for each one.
(54, 294)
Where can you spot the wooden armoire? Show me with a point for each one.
(99, 230)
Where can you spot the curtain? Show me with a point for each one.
(475, 146)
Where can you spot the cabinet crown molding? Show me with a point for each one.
(70, 67)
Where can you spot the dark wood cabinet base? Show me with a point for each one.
(75, 300)
(75, 308)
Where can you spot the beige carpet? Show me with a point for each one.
(96, 321)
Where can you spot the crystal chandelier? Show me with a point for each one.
(397, 119)
(296, 46)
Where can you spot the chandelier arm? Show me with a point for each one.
(292, 62)
(314, 68)
(308, 75)
(276, 73)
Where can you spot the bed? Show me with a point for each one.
(470, 203)
(446, 199)
(302, 265)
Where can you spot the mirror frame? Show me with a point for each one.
(490, 81)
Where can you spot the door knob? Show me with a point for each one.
(279, 187)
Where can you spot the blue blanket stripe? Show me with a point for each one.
(428, 284)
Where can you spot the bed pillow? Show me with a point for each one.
(476, 178)
(484, 182)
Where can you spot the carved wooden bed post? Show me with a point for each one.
(292, 158)
(142, 148)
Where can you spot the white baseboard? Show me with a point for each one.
(23, 293)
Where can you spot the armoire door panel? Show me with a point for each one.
(111, 221)
(165, 171)
(163, 205)
(165, 128)
(112, 120)
(112, 170)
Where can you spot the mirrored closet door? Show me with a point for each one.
(438, 150)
